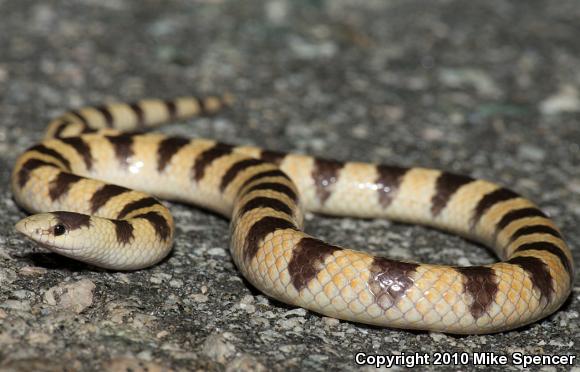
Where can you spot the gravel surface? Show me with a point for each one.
(487, 88)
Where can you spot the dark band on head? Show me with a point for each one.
(71, 220)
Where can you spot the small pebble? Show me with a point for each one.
(287, 348)
(16, 305)
(38, 338)
(22, 294)
(218, 348)
(331, 322)
(145, 355)
(159, 278)
(245, 362)
(247, 299)
(32, 271)
(132, 364)
(76, 296)
(574, 185)
(250, 309)
(437, 337)
(292, 323)
(318, 357)
(162, 334)
(295, 312)
(3, 74)
(565, 100)
(530, 152)
(7, 276)
(198, 297)
(217, 252)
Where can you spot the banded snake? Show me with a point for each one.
(91, 185)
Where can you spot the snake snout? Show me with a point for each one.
(35, 226)
(22, 227)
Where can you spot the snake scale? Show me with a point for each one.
(92, 179)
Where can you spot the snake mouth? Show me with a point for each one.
(52, 248)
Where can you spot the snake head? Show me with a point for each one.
(54, 231)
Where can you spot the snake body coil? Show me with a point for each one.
(86, 171)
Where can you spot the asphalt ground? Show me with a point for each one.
(485, 88)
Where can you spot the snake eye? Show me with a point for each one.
(59, 229)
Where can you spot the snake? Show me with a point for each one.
(93, 187)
